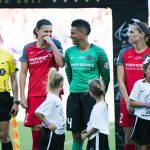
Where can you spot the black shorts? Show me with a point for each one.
(141, 131)
(51, 141)
(6, 102)
(79, 107)
(99, 142)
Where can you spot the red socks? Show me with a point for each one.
(129, 147)
(36, 138)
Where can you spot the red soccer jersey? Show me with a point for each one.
(133, 66)
(40, 60)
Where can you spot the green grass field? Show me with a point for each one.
(26, 140)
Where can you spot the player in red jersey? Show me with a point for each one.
(38, 57)
(129, 70)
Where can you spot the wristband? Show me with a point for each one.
(17, 102)
(147, 104)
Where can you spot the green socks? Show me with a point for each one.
(77, 145)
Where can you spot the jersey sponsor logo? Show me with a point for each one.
(2, 72)
(40, 59)
(81, 57)
(82, 65)
(131, 66)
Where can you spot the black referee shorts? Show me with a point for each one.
(79, 107)
(6, 102)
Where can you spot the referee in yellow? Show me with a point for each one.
(8, 105)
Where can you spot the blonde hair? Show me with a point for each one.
(54, 79)
(96, 87)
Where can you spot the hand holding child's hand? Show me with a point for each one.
(52, 126)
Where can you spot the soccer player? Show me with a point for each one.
(38, 57)
(129, 70)
(84, 61)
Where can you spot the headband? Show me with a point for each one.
(138, 27)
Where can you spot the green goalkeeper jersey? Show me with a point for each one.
(83, 66)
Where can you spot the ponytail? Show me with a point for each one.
(54, 79)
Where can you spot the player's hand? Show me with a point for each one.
(14, 110)
(48, 40)
(83, 134)
(127, 105)
(23, 102)
(52, 126)
(131, 110)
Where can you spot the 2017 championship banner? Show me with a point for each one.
(125, 4)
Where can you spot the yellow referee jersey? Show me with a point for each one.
(7, 66)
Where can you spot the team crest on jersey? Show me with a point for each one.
(89, 57)
(106, 65)
(2, 72)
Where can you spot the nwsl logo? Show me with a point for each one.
(122, 31)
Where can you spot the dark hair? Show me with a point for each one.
(39, 24)
(82, 24)
(54, 79)
(146, 63)
(96, 87)
(143, 27)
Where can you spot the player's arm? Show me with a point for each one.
(134, 96)
(41, 117)
(68, 68)
(22, 82)
(48, 124)
(57, 55)
(104, 68)
(122, 86)
(14, 85)
(85, 134)
(137, 104)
